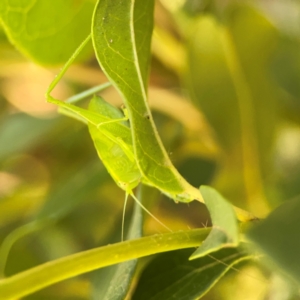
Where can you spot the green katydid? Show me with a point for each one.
(111, 135)
(103, 117)
(112, 138)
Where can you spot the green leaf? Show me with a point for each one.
(228, 79)
(278, 237)
(172, 276)
(18, 132)
(114, 282)
(41, 29)
(286, 65)
(225, 227)
(73, 190)
(62, 199)
(32, 280)
(121, 33)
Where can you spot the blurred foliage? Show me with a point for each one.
(238, 62)
(34, 36)
(283, 247)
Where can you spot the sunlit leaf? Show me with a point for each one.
(41, 29)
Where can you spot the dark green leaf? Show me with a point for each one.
(172, 276)
(278, 237)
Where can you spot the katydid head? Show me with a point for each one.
(128, 186)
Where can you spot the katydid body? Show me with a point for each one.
(111, 137)
(113, 143)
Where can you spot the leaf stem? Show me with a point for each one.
(51, 272)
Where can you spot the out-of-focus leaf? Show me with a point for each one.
(61, 200)
(225, 228)
(208, 78)
(278, 237)
(168, 50)
(255, 38)
(18, 132)
(47, 32)
(114, 282)
(286, 66)
(189, 166)
(23, 185)
(67, 195)
(228, 79)
(195, 7)
(172, 276)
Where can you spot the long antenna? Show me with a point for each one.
(149, 213)
(123, 216)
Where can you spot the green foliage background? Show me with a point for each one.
(238, 62)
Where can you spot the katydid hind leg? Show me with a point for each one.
(111, 121)
(64, 69)
(88, 93)
(58, 77)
